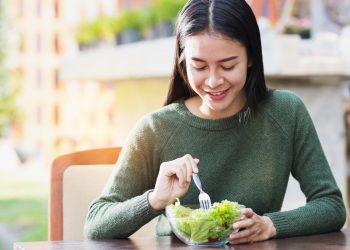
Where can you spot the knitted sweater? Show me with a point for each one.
(248, 162)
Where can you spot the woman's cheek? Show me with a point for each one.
(236, 79)
(195, 78)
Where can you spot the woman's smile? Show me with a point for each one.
(218, 95)
(218, 78)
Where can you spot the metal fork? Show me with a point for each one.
(204, 198)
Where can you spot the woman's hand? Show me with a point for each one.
(255, 228)
(173, 181)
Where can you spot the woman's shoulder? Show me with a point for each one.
(282, 102)
(163, 113)
(153, 127)
(284, 98)
(159, 118)
(283, 107)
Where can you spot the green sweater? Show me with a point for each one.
(248, 162)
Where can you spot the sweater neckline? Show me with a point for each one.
(231, 122)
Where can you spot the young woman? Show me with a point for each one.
(219, 120)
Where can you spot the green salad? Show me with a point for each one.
(206, 226)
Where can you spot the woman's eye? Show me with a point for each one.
(227, 68)
(200, 68)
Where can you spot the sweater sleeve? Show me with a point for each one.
(123, 206)
(324, 210)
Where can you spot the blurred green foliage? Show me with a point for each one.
(129, 19)
(101, 28)
(105, 28)
(8, 87)
(165, 10)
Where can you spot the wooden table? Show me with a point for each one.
(331, 241)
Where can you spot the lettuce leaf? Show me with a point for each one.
(201, 226)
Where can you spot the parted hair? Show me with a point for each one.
(231, 18)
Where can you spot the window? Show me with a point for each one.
(38, 42)
(38, 79)
(38, 8)
(56, 7)
(38, 115)
(56, 80)
(56, 114)
(56, 44)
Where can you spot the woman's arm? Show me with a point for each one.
(123, 206)
(324, 210)
(140, 187)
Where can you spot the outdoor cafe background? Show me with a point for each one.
(72, 78)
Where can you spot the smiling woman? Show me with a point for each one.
(217, 79)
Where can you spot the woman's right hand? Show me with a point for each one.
(173, 181)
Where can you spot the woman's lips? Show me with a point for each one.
(218, 95)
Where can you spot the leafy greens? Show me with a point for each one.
(206, 226)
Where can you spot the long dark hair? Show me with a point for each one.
(231, 18)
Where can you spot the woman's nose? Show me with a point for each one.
(214, 80)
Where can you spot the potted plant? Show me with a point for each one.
(85, 35)
(128, 26)
(162, 15)
(299, 26)
(94, 34)
(103, 30)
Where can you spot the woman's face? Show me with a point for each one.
(217, 70)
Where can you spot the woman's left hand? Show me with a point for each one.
(255, 228)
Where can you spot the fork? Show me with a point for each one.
(204, 198)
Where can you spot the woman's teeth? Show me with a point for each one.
(217, 93)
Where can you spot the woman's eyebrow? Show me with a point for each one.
(221, 60)
(228, 59)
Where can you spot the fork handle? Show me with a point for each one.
(197, 181)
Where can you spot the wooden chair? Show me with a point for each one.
(77, 179)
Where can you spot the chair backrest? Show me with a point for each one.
(76, 179)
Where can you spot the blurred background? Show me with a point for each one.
(77, 74)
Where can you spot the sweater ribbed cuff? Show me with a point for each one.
(144, 209)
(280, 222)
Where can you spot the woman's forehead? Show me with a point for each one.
(205, 43)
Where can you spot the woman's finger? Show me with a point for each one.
(188, 165)
(243, 224)
(178, 172)
(247, 212)
(195, 166)
(243, 235)
(191, 166)
(257, 228)
(183, 172)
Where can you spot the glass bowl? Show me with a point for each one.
(196, 227)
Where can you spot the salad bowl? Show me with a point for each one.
(197, 227)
